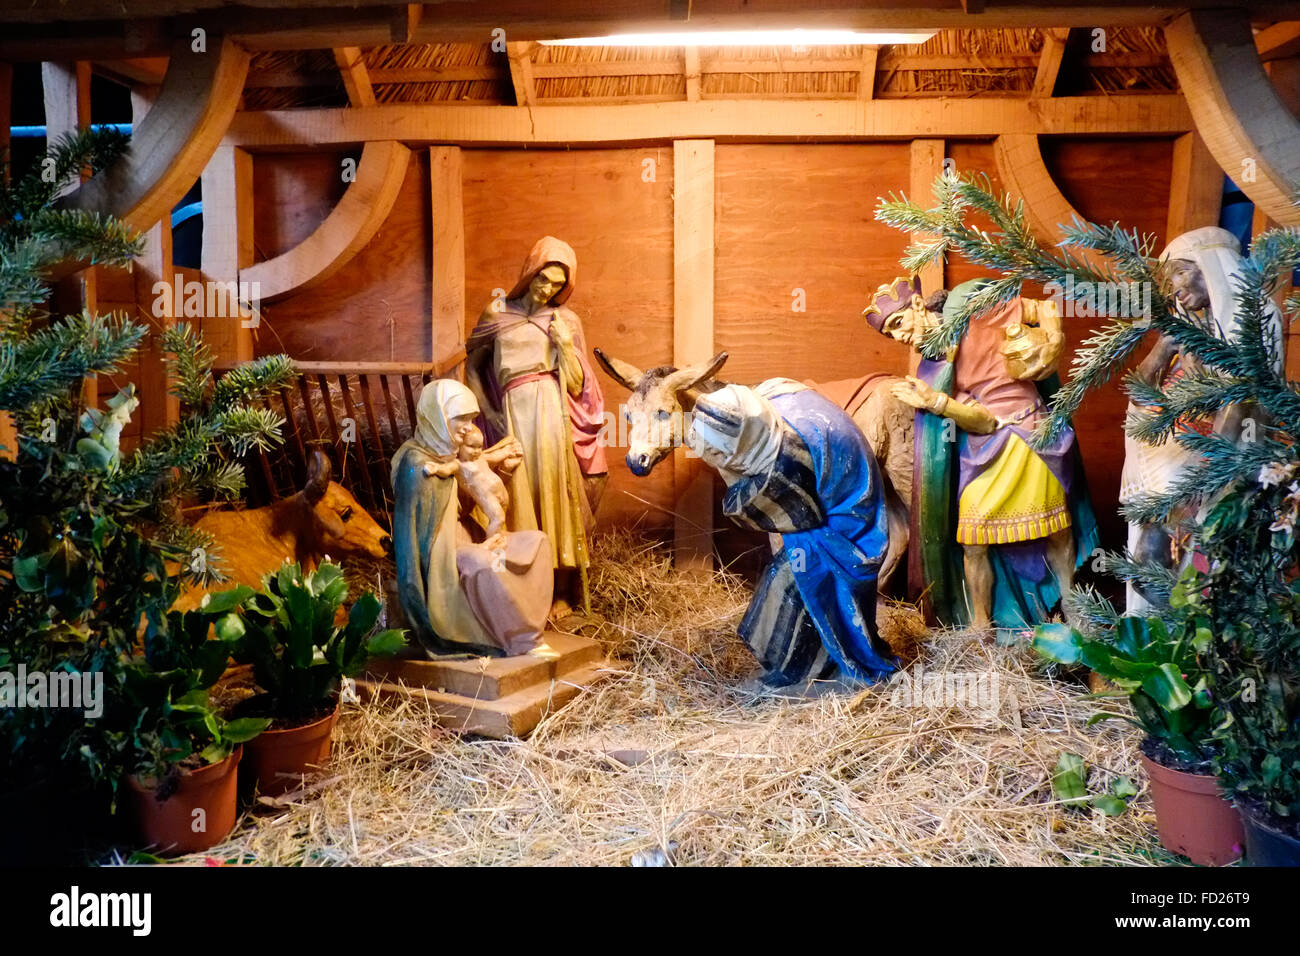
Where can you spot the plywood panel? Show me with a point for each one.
(799, 217)
(377, 309)
(619, 221)
(292, 195)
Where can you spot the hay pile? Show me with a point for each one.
(668, 758)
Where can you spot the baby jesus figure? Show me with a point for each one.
(474, 476)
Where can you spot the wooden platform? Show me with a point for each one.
(496, 697)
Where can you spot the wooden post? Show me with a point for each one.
(8, 432)
(67, 109)
(692, 338)
(927, 165)
(1195, 187)
(692, 66)
(158, 407)
(867, 73)
(228, 246)
(448, 220)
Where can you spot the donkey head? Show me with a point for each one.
(660, 397)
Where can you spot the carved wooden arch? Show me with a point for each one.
(1024, 175)
(351, 224)
(1236, 109)
(176, 138)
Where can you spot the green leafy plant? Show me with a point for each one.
(92, 547)
(299, 653)
(1070, 786)
(167, 718)
(1160, 664)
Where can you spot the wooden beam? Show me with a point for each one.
(693, 213)
(1025, 177)
(355, 77)
(1279, 41)
(228, 246)
(346, 230)
(406, 21)
(557, 18)
(174, 141)
(447, 213)
(926, 166)
(867, 72)
(520, 56)
(692, 69)
(1195, 187)
(1049, 63)
(734, 120)
(1238, 113)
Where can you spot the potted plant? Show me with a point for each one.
(1252, 587)
(300, 654)
(183, 753)
(1159, 663)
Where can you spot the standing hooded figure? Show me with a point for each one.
(527, 364)
(456, 593)
(796, 466)
(1202, 264)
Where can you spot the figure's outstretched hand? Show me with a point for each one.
(506, 454)
(916, 393)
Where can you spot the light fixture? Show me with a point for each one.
(796, 38)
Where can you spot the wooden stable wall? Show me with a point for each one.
(793, 226)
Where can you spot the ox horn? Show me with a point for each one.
(622, 372)
(685, 382)
(319, 473)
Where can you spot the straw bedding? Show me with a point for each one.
(674, 759)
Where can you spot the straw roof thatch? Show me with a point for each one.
(675, 759)
(952, 63)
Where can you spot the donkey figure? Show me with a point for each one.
(663, 395)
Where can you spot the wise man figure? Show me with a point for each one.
(1020, 513)
(1201, 265)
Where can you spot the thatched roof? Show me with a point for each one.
(952, 63)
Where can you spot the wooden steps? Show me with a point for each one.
(495, 697)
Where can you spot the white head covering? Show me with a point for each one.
(1217, 254)
(440, 402)
(740, 424)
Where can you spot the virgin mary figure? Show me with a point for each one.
(459, 595)
(527, 364)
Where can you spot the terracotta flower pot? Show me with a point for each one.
(1192, 816)
(279, 759)
(1266, 845)
(174, 826)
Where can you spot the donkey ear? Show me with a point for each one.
(622, 372)
(319, 473)
(687, 379)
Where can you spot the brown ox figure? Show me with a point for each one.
(662, 396)
(322, 519)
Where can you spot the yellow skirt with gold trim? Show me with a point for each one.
(1016, 498)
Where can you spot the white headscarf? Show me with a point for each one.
(1217, 254)
(740, 424)
(440, 402)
